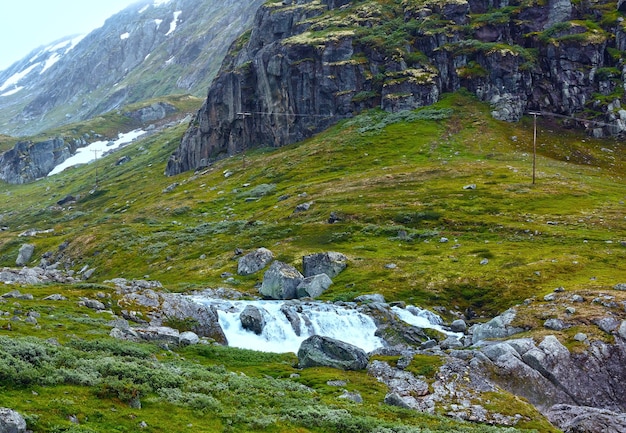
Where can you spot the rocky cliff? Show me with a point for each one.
(308, 63)
(149, 49)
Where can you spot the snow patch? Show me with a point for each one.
(74, 42)
(174, 23)
(158, 23)
(51, 61)
(85, 155)
(143, 9)
(170, 61)
(158, 3)
(12, 92)
(125, 36)
(17, 77)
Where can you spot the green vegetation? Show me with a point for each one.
(396, 181)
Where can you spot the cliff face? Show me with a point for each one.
(308, 63)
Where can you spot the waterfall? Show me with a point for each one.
(423, 319)
(307, 318)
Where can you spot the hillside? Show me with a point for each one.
(148, 50)
(443, 194)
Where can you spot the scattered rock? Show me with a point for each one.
(471, 186)
(171, 188)
(580, 337)
(327, 352)
(254, 261)
(620, 286)
(622, 330)
(188, 338)
(92, 303)
(371, 298)
(608, 324)
(554, 324)
(66, 200)
(484, 262)
(393, 399)
(252, 319)
(25, 254)
(303, 207)
(123, 160)
(498, 327)
(391, 266)
(330, 263)
(458, 326)
(333, 218)
(160, 334)
(11, 421)
(352, 396)
(577, 298)
(313, 286)
(550, 297)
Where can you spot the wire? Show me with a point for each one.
(545, 113)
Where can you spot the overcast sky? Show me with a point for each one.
(29, 24)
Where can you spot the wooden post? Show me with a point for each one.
(534, 114)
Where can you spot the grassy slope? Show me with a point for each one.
(409, 176)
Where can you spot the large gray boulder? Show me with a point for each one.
(575, 419)
(323, 351)
(254, 261)
(330, 263)
(314, 286)
(11, 421)
(252, 319)
(25, 254)
(498, 327)
(281, 281)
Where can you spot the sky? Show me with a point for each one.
(29, 24)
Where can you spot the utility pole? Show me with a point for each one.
(534, 114)
(95, 154)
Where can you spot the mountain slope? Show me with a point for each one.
(308, 64)
(147, 50)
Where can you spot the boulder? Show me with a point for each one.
(314, 286)
(281, 281)
(327, 352)
(254, 261)
(11, 421)
(25, 254)
(160, 334)
(330, 263)
(371, 298)
(575, 419)
(554, 324)
(252, 319)
(458, 325)
(498, 327)
(188, 338)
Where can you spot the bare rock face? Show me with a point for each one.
(25, 254)
(575, 419)
(327, 352)
(331, 264)
(254, 261)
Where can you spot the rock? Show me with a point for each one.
(123, 160)
(371, 298)
(327, 352)
(11, 421)
(622, 330)
(170, 187)
(451, 343)
(160, 334)
(470, 187)
(620, 286)
(608, 324)
(578, 419)
(550, 297)
(188, 338)
(352, 396)
(25, 254)
(280, 281)
(577, 298)
(554, 324)
(498, 327)
(313, 286)
(330, 263)
(88, 273)
(458, 325)
(580, 337)
(67, 199)
(92, 303)
(254, 261)
(393, 399)
(252, 319)
(621, 5)
(303, 207)
(125, 333)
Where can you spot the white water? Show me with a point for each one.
(422, 319)
(278, 335)
(85, 155)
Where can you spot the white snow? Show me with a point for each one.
(143, 9)
(12, 92)
(74, 42)
(57, 47)
(125, 36)
(51, 61)
(170, 61)
(158, 23)
(15, 78)
(85, 155)
(174, 23)
(158, 3)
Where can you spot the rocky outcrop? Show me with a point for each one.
(281, 281)
(331, 264)
(575, 419)
(254, 261)
(29, 160)
(318, 351)
(25, 254)
(298, 72)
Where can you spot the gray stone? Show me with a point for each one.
(280, 281)
(188, 338)
(620, 286)
(578, 419)
(622, 330)
(93, 304)
(554, 324)
(458, 325)
(160, 334)
(451, 343)
(580, 337)
(498, 327)
(550, 297)
(330, 263)
(352, 396)
(125, 333)
(577, 298)
(25, 254)
(303, 207)
(314, 286)
(394, 399)
(371, 298)
(11, 421)
(323, 351)
(608, 324)
(252, 319)
(254, 261)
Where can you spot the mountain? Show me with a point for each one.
(151, 48)
(307, 64)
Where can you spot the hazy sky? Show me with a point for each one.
(28, 24)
